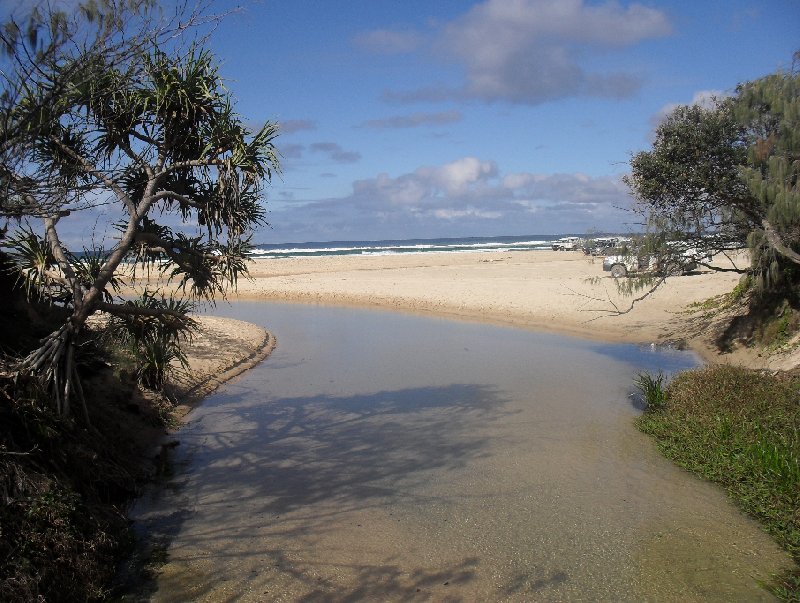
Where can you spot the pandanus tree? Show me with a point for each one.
(152, 138)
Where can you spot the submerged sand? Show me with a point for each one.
(384, 457)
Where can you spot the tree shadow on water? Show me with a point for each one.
(294, 452)
(289, 469)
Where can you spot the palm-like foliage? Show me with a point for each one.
(122, 122)
(154, 340)
(34, 262)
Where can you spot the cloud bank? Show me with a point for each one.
(466, 196)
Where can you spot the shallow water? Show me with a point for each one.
(385, 457)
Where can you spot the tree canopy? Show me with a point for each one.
(719, 176)
(96, 113)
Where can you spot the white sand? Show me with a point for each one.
(564, 292)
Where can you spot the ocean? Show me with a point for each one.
(401, 246)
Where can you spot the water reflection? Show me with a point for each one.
(650, 358)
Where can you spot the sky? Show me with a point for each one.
(416, 119)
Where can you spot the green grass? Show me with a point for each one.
(652, 389)
(740, 429)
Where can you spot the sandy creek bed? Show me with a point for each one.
(377, 456)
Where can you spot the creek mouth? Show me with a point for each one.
(380, 456)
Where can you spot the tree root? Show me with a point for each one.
(53, 364)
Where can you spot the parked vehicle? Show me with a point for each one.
(603, 245)
(567, 244)
(680, 260)
(622, 265)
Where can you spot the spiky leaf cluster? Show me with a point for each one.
(105, 108)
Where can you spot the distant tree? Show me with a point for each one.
(94, 112)
(721, 176)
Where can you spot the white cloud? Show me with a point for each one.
(532, 51)
(704, 98)
(455, 214)
(465, 196)
(458, 176)
(528, 51)
(405, 190)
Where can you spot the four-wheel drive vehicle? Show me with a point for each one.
(678, 262)
(567, 244)
(604, 245)
(622, 265)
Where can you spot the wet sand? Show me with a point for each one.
(376, 456)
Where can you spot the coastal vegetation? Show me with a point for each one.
(108, 108)
(107, 114)
(724, 174)
(719, 177)
(741, 429)
(144, 128)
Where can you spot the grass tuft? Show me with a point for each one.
(652, 389)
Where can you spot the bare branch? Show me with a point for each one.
(176, 196)
(57, 250)
(615, 309)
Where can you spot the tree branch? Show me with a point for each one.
(177, 196)
(616, 310)
(775, 241)
(155, 242)
(51, 236)
(92, 169)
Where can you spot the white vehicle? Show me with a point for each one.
(567, 244)
(622, 265)
(679, 263)
(602, 245)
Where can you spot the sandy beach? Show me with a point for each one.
(562, 292)
(559, 292)
(221, 349)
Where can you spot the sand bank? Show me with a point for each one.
(221, 349)
(561, 292)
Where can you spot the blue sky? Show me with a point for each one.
(456, 118)
(405, 119)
